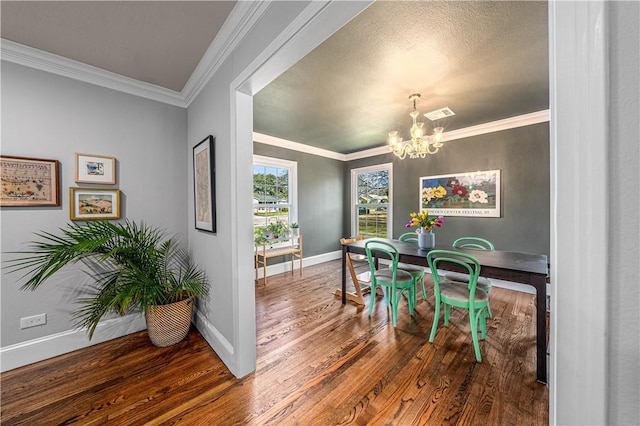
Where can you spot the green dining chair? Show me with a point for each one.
(394, 280)
(415, 270)
(466, 296)
(475, 243)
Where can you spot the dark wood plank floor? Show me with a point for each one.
(319, 363)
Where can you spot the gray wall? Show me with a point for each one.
(522, 155)
(227, 317)
(624, 222)
(47, 116)
(320, 207)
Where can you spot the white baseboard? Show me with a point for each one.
(509, 285)
(285, 266)
(220, 345)
(42, 348)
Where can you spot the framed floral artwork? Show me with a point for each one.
(475, 194)
(29, 182)
(204, 182)
(92, 168)
(94, 203)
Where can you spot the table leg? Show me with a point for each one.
(541, 328)
(344, 275)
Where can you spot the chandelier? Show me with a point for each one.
(419, 145)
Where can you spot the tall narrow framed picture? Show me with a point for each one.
(94, 203)
(29, 182)
(98, 169)
(475, 194)
(204, 184)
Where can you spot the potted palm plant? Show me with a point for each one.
(136, 267)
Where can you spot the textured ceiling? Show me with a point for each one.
(485, 60)
(158, 42)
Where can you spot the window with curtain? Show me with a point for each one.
(371, 201)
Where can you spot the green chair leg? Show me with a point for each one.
(447, 313)
(436, 318)
(483, 324)
(424, 291)
(489, 314)
(473, 320)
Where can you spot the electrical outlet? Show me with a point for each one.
(33, 321)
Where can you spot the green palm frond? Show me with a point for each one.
(133, 266)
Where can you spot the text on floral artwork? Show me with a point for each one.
(475, 194)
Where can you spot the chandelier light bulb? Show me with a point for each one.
(419, 145)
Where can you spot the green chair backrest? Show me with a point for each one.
(409, 236)
(470, 263)
(383, 249)
(473, 243)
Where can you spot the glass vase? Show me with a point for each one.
(426, 239)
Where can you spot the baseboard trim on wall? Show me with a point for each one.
(220, 345)
(509, 285)
(46, 347)
(280, 268)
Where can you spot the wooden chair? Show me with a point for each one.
(360, 280)
(458, 294)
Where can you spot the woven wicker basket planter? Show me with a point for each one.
(169, 324)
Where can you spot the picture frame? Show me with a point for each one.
(204, 184)
(29, 182)
(475, 194)
(94, 203)
(91, 168)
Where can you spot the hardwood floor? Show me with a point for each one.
(319, 363)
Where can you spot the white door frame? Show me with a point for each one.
(578, 95)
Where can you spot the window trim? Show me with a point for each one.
(354, 195)
(292, 166)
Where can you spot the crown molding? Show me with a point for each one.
(240, 21)
(499, 125)
(467, 132)
(55, 64)
(481, 129)
(296, 146)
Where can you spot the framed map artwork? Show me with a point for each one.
(204, 184)
(29, 182)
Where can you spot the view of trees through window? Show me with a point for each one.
(271, 202)
(372, 190)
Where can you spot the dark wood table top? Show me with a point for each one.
(505, 260)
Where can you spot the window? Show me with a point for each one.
(371, 200)
(274, 192)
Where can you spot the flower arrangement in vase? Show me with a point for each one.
(425, 225)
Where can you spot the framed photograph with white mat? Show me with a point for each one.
(91, 168)
(94, 203)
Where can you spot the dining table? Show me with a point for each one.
(525, 268)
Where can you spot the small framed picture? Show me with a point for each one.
(204, 182)
(94, 203)
(95, 169)
(29, 182)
